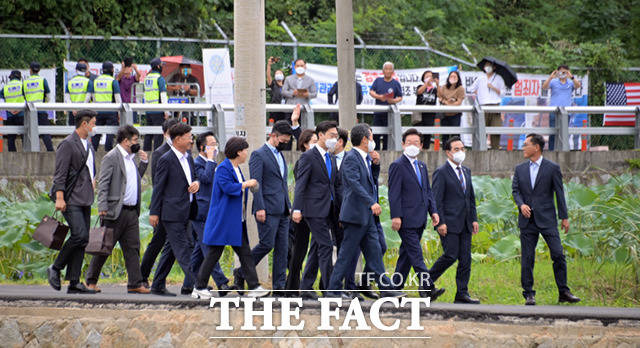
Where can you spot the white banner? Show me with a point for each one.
(218, 80)
(48, 74)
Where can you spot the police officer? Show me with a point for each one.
(12, 93)
(155, 91)
(36, 90)
(106, 90)
(78, 90)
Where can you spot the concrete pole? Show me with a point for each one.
(346, 64)
(249, 91)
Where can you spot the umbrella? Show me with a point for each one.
(172, 63)
(503, 69)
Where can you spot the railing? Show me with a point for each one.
(216, 120)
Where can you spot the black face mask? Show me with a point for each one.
(135, 148)
(281, 146)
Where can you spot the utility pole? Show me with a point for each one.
(346, 64)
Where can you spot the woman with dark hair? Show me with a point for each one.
(427, 94)
(226, 221)
(299, 233)
(451, 94)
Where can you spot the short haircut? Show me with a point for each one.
(424, 73)
(447, 144)
(84, 116)
(167, 124)
(411, 131)
(387, 63)
(179, 129)
(282, 127)
(128, 61)
(324, 126)
(344, 135)
(305, 138)
(537, 139)
(235, 145)
(359, 132)
(83, 60)
(126, 132)
(201, 140)
(299, 59)
(563, 66)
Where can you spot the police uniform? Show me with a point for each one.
(35, 88)
(78, 87)
(154, 85)
(12, 93)
(104, 88)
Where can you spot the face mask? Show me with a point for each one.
(331, 144)
(168, 140)
(280, 146)
(459, 157)
(93, 132)
(186, 71)
(300, 70)
(488, 69)
(135, 148)
(411, 151)
(279, 77)
(371, 145)
(425, 81)
(451, 82)
(562, 75)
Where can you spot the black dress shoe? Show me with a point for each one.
(309, 295)
(530, 301)
(350, 295)
(186, 291)
(223, 290)
(365, 290)
(279, 293)
(466, 299)
(79, 289)
(238, 281)
(432, 292)
(396, 294)
(162, 292)
(567, 296)
(53, 276)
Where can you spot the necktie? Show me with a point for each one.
(461, 178)
(327, 162)
(280, 161)
(533, 171)
(415, 165)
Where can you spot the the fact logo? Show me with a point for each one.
(290, 311)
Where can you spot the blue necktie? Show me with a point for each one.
(280, 162)
(533, 172)
(464, 187)
(415, 164)
(375, 186)
(327, 162)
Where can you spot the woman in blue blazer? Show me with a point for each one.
(226, 220)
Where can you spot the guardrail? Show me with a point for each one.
(216, 120)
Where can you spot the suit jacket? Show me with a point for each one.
(155, 157)
(204, 172)
(113, 182)
(457, 208)
(273, 193)
(224, 218)
(314, 189)
(70, 156)
(170, 198)
(407, 199)
(540, 197)
(359, 189)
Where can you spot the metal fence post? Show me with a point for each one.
(562, 130)
(308, 117)
(126, 114)
(637, 135)
(218, 124)
(31, 138)
(479, 130)
(395, 124)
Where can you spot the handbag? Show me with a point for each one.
(100, 240)
(51, 232)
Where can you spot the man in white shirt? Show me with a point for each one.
(488, 89)
(119, 197)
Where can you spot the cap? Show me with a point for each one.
(34, 66)
(155, 62)
(15, 74)
(81, 67)
(107, 66)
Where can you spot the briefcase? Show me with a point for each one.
(100, 240)
(51, 232)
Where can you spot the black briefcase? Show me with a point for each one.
(100, 240)
(51, 232)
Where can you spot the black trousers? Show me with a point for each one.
(153, 119)
(13, 120)
(153, 250)
(300, 247)
(428, 119)
(178, 247)
(126, 231)
(456, 247)
(528, 242)
(105, 119)
(320, 253)
(381, 119)
(246, 262)
(450, 121)
(72, 252)
(43, 120)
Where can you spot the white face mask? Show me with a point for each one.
(168, 141)
(562, 75)
(412, 151)
(300, 70)
(459, 157)
(425, 81)
(93, 132)
(331, 144)
(371, 145)
(488, 69)
(279, 77)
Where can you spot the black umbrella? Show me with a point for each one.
(503, 69)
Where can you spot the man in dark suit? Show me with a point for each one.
(159, 234)
(456, 203)
(357, 216)
(315, 199)
(535, 182)
(205, 168)
(119, 197)
(173, 200)
(73, 183)
(271, 204)
(410, 203)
